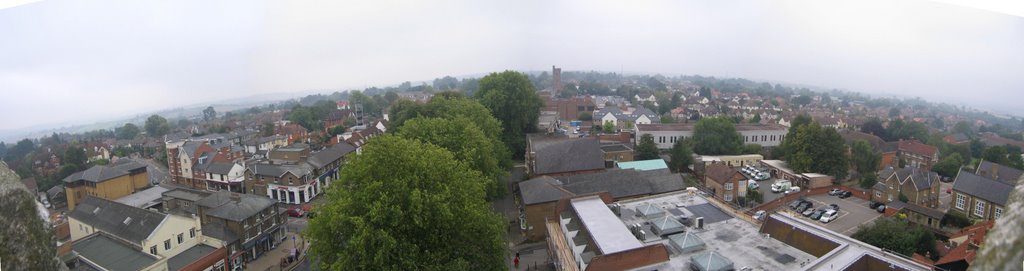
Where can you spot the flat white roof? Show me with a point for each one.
(606, 229)
(779, 164)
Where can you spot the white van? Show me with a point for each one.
(781, 186)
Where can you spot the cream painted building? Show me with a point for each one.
(158, 234)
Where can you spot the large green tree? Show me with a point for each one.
(716, 136)
(646, 149)
(157, 126)
(784, 149)
(681, 156)
(818, 149)
(467, 142)
(512, 99)
(128, 131)
(995, 154)
(406, 205)
(451, 105)
(949, 166)
(74, 156)
(863, 157)
(899, 236)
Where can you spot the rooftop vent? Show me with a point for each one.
(97, 210)
(127, 220)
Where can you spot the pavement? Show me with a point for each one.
(945, 199)
(853, 213)
(531, 255)
(272, 259)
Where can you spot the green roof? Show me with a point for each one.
(653, 164)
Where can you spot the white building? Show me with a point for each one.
(666, 134)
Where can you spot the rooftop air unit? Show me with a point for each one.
(700, 222)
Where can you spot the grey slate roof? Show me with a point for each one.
(541, 189)
(188, 256)
(219, 231)
(221, 205)
(101, 173)
(1002, 173)
(220, 167)
(624, 182)
(988, 189)
(922, 179)
(109, 216)
(567, 155)
(322, 158)
(278, 170)
(112, 254)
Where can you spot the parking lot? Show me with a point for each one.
(853, 212)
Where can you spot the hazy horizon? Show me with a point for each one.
(86, 62)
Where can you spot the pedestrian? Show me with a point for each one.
(516, 261)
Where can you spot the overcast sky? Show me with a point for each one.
(84, 61)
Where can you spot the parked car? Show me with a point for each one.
(796, 203)
(752, 184)
(804, 206)
(829, 216)
(834, 192)
(808, 212)
(817, 214)
(845, 194)
(791, 190)
(833, 207)
(874, 205)
(760, 215)
(295, 212)
(880, 208)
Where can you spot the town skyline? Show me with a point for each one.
(936, 51)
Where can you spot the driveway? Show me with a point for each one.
(853, 213)
(945, 199)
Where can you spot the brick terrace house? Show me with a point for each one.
(984, 193)
(921, 187)
(569, 108)
(918, 154)
(293, 174)
(294, 132)
(725, 182)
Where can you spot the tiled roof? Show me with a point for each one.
(988, 189)
(922, 179)
(624, 182)
(720, 173)
(964, 251)
(323, 158)
(916, 147)
(222, 205)
(999, 172)
(542, 189)
(566, 155)
(111, 217)
(111, 254)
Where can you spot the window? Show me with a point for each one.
(152, 250)
(878, 194)
(961, 200)
(728, 197)
(181, 238)
(979, 208)
(728, 186)
(192, 233)
(167, 244)
(999, 212)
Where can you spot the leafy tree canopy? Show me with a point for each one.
(467, 142)
(406, 205)
(646, 150)
(716, 136)
(512, 99)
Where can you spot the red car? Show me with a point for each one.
(295, 212)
